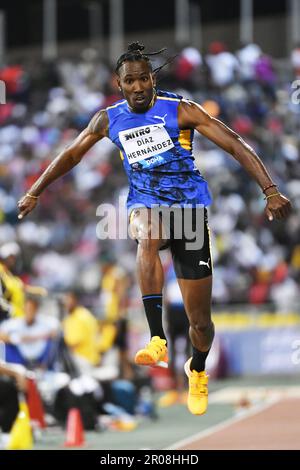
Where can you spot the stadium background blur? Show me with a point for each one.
(59, 71)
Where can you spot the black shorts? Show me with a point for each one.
(191, 260)
(192, 263)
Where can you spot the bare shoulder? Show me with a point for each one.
(99, 124)
(188, 106)
(191, 114)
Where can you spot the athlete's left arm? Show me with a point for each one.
(193, 116)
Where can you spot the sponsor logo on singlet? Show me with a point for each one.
(143, 142)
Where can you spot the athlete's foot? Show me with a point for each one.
(155, 354)
(198, 391)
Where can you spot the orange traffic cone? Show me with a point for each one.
(75, 433)
(35, 405)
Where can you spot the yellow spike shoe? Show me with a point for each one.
(198, 391)
(155, 354)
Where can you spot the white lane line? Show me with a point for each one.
(225, 424)
(253, 394)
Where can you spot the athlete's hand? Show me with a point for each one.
(277, 207)
(26, 204)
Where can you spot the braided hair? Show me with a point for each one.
(135, 52)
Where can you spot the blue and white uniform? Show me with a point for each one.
(157, 155)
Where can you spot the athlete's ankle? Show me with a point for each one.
(153, 310)
(198, 360)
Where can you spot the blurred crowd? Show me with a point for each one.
(48, 104)
(55, 253)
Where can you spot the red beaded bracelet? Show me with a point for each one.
(270, 186)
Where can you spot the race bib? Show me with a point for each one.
(143, 142)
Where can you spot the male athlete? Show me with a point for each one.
(154, 132)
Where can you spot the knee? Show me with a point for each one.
(146, 232)
(202, 325)
(148, 246)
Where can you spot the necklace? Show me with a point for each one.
(152, 101)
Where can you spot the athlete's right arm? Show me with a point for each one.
(66, 160)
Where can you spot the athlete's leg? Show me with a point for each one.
(194, 273)
(145, 227)
(196, 294)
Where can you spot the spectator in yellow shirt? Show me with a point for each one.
(81, 334)
(114, 287)
(12, 288)
(113, 304)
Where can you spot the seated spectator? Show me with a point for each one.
(81, 334)
(5, 307)
(113, 305)
(12, 286)
(13, 289)
(295, 60)
(29, 339)
(223, 65)
(247, 55)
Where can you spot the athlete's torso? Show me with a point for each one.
(157, 155)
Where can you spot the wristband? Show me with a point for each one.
(31, 195)
(271, 195)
